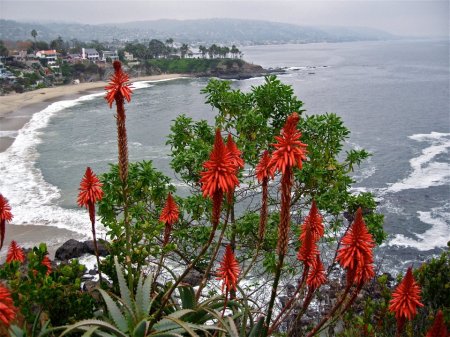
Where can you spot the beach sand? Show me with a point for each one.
(28, 236)
(15, 111)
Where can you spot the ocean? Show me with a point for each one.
(392, 95)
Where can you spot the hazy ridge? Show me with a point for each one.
(243, 32)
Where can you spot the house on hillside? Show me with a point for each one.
(128, 56)
(49, 56)
(110, 56)
(90, 54)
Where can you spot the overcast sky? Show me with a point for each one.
(411, 18)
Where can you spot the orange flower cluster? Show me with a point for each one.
(312, 230)
(90, 192)
(15, 253)
(438, 329)
(316, 276)
(228, 271)
(5, 215)
(118, 87)
(289, 150)
(169, 215)
(235, 153)
(7, 309)
(356, 254)
(48, 264)
(220, 169)
(405, 298)
(263, 169)
(219, 177)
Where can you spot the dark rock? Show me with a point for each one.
(193, 278)
(89, 286)
(71, 249)
(101, 245)
(92, 272)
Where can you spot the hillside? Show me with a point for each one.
(243, 32)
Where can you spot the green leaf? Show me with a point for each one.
(257, 328)
(187, 296)
(180, 313)
(140, 329)
(125, 295)
(81, 325)
(184, 325)
(90, 331)
(114, 311)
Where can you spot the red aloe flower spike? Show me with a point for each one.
(314, 222)
(289, 150)
(263, 169)
(7, 309)
(219, 176)
(90, 192)
(308, 249)
(5, 215)
(405, 300)
(47, 263)
(169, 215)
(228, 271)
(263, 174)
(220, 173)
(316, 276)
(15, 253)
(362, 274)
(118, 87)
(438, 329)
(235, 153)
(356, 246)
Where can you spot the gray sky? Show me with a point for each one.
(412, 18)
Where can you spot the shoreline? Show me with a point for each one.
(17, 109)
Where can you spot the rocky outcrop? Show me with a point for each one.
(74, 249)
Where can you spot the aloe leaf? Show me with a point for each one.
(114, 311)
(180, 313)
(187, 296)
(90, 331)
(184, 325)
(139, 296)
(146, 292)
(140, 329)
(88, 322)
(124, 291)
(257, 328)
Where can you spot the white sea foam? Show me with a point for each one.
(9, 133)
(148, 84)
(32, 199)
(435, 237)
(427, 170)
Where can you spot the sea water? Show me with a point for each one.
(393, 96)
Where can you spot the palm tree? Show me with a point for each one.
(184, 49)
(34, 34)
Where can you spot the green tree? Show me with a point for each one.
(254, 118)
(184, 49)
(3, 50)
(156, 48)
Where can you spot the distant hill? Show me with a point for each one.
(206, 31)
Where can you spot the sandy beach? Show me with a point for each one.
(15, 111)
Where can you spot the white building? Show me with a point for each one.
(109, 55)
(90, 54)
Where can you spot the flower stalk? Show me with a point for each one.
(118, 91)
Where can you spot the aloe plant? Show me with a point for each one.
(131, 317)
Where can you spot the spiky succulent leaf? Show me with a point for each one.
(114, 311)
